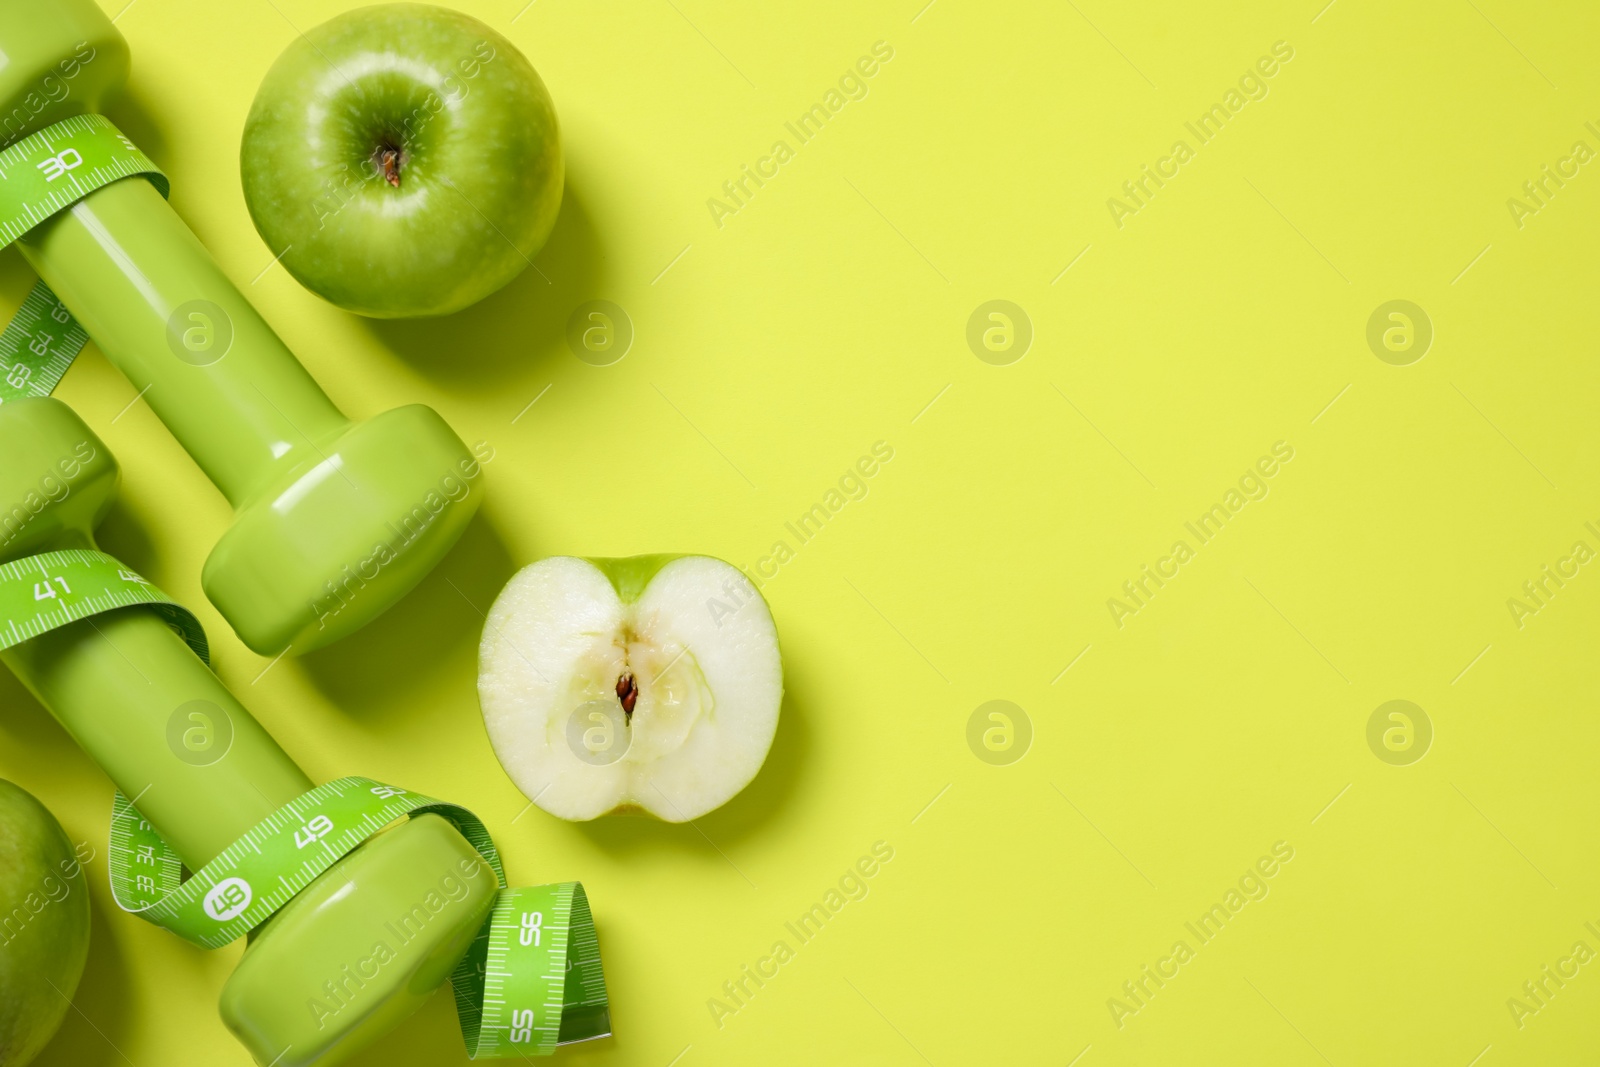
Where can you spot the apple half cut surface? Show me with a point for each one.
(613, 685)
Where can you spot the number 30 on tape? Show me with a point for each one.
(42, 174)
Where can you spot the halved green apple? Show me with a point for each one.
(644, 684)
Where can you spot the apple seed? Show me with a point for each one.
(628, 693)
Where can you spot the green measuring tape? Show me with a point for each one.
(532, 979)
(42, 174)
(43, 592)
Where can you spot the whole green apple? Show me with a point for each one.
(403, 159)
(44, 925)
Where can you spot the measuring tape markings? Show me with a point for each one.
(534, 978)
(514, 989)
(47, 591)
(42, 340)
(30, 168)
(52, 348)
(52, 589)
(547, 984)
(135, 841)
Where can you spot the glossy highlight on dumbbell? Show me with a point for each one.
(124, 684)
(336, 520)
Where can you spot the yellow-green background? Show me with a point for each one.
(824, 317)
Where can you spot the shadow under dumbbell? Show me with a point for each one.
(128, 110)
(27, 731)
(432, 631)
(16, 278)
(511, 333)
(431, 1036)
(124, 536)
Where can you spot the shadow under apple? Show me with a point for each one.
(480, 350)
(94, 1030)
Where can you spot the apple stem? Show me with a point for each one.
(628, 693)
(390, 159)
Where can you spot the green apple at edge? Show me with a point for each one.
(403, 159)
(645, 684)
(44, 925)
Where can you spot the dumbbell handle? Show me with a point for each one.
(114, 682)
(127, 687)
(125, 264)
(335, 520)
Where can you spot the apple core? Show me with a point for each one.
(610, 686)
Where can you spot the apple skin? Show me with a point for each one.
(44, 925)
(629, 575)
(476, 154)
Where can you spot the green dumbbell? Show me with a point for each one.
(116, 680)
(335, 520)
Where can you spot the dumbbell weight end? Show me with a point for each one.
(310, 988)
(336, 521)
